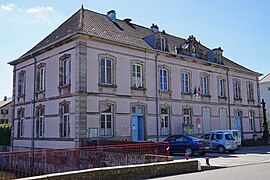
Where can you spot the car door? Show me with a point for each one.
(215, 141)
(180, 144)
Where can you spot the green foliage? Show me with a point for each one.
(5, 134)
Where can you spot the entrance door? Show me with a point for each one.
(138, 123)
(238, 122)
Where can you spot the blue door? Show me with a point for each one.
(138, 123)
(238, 124)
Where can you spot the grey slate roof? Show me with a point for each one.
(98, 25)
(3, 103)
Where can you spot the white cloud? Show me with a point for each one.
(7, 7)
(40, 12)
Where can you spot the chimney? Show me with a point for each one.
(112, 15)
(127, 20)
(215, 55)
(154, 28)
(5, 98)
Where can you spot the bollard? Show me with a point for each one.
(207, 161)
(186, 156)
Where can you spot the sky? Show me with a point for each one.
(241, 28)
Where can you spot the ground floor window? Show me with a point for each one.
(106, 121)
(164, 119)
(251, 121)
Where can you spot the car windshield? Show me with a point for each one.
(229, 137)
(194, 138)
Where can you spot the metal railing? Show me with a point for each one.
(32, 163)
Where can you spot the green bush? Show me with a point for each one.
(5, 134)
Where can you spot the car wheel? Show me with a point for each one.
(189, 151)
(221, 149)
(231, 151)
(201, 153)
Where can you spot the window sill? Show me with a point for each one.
(165, 91)
(208, 96)
(186, 93)
(222, 97)
(251, 100)
(237, 99)
(138, 88)
(64, 86)
(107, 85)
(40, 92)
(64, 89)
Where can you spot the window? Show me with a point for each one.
(64, 122)
(4, 111)
(40, 122)
(164, 121)
(162, 44)
(236, 89)
(250, 91)
(221, 88)
(185, 82)
(106, 121)
(41, 79)
(187, 116)
(204, 85)
(64, 70)
(20, 127)
(251, 121)
(106, 71)
(137, 75)
(21, 84)
(163, 79)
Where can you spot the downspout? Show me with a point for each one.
(229, 99)
(13, 107)
(34, 104)
(156, 69)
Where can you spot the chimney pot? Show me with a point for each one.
(127, 20)
(5, 98)
(112, 15)
(154, 28)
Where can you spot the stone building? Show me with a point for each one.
(98, 77)
(6, 111)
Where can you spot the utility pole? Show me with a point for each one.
(265, 125)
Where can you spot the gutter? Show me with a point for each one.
(156, 71)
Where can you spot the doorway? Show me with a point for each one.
(138, 123)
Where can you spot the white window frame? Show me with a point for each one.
(66, 64)
(164, 122)
(21, 125)
(106, 131)
(162, 44)
(21, 84)
(204, 85)
(41, 118)
(221, 88)
(236, 89)
(42, 79)
(137, 79)
(185, 82)
(187, 116)
(251, 120)
(65, 121)
(108, 77)
(164, 79)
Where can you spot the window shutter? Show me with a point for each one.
(60, 129)
(60, 73)
(38, 80)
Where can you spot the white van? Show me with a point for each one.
(235, 133)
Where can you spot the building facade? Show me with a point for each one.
(97, 77)
(6, 111)
(265, 94)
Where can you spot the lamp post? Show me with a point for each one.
(265, 125)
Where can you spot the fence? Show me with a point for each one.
(39, 162)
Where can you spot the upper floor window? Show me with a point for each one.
(40, 121)
(137, 75)
(187, 116)
(106, 71)
(221, 88)
(250, 90)
(164, 79)
(106, 120)
(20, 124)
(204, 85)
(4, 111)
(185, 82)
(21, 83)
(65, 70)
(64, 120)
(236, 89)
(164, 120)
(162, 44)
(251, 120)
(41, 77)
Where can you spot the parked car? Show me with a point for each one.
(222, 142)
(234, 132)
(188, 144)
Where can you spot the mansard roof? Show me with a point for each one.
(123, 31)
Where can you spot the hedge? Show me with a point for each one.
(5, 134)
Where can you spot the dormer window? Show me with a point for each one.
(162, 44)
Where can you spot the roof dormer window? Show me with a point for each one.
(162, 44)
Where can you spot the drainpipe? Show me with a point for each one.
(229, 100)
(13, 107)
(156, 69)
(34, 104)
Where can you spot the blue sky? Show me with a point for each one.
(241, 28)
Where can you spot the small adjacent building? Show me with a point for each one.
(98, 77)
(6, 110)
(265, 94)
